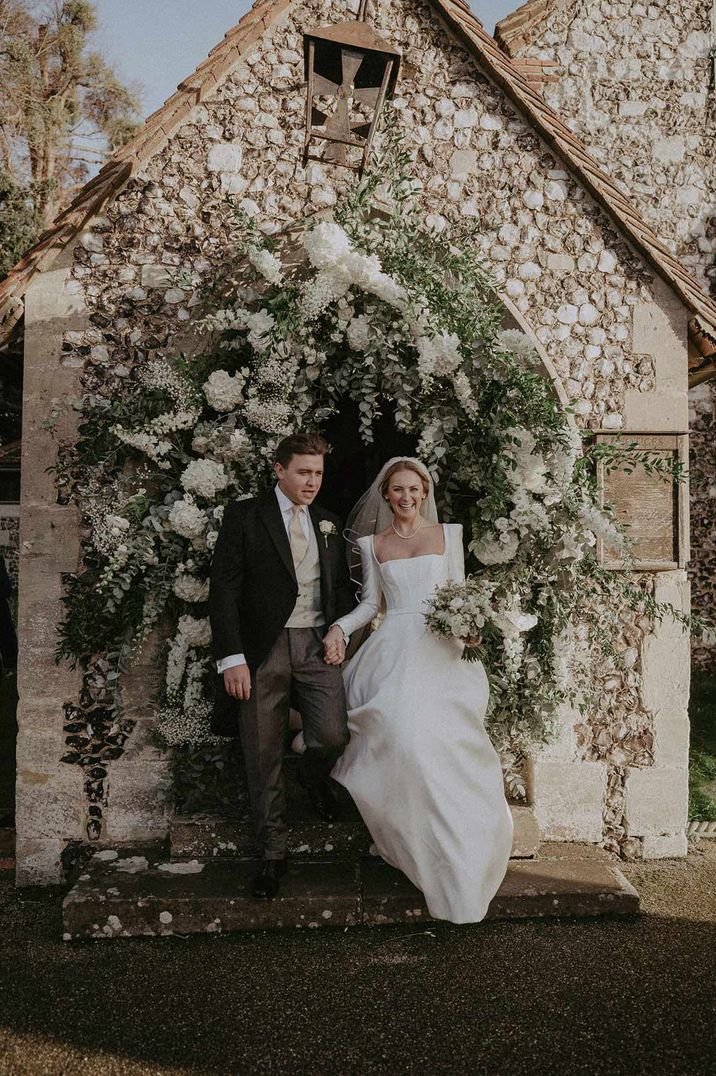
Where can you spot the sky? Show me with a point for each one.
(154, 44)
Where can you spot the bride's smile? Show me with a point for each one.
(405, 495)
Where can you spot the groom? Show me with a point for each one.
(279, 579)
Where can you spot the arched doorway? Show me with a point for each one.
(352, 465)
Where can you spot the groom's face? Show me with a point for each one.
(301, 478)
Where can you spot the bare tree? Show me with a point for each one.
(62, 107)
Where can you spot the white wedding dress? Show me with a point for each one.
(420, 765)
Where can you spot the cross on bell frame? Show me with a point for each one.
(350, 71)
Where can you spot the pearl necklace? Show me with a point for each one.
(406, 537)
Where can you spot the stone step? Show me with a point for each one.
(128, 896)
(221, 837)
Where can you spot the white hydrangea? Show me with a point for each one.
(341, 266)
(267, 265)
(194, 631)
(438, 355)
(190, 588)
(363, 270)
(358, 333)
(326, 244)
(518, 344)
(390, 291)
(187, 519)
(223, 391)
(204, 477)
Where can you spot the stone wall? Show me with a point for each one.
(635, 82)
(614, 334)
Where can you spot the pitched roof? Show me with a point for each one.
(159, 127)
(515, 31)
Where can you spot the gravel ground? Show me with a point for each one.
(605, 996)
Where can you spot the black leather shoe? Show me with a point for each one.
(323, 800)
(266, 882)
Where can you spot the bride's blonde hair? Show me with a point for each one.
(404, 465)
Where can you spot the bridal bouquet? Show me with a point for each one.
(464, 611)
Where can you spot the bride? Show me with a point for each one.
(420, 766)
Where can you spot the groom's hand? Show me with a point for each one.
(237, 681)
(334, 646)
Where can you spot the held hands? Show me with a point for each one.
(237, 681)
(334, 646)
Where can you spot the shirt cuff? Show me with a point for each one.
(228, 663)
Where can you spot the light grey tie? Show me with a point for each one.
(296, 535)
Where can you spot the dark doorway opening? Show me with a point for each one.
(352, 465)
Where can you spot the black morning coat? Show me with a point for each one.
(253, 588)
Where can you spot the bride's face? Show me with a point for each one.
(405, 494)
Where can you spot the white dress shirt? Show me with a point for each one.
(286, 505)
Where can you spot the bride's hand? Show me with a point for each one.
(474, 641)
(334, 646)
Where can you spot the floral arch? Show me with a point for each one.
(371, 306)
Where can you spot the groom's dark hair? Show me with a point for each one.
(301, 443)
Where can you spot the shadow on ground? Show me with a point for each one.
(632, 995)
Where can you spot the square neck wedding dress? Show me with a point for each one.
(420, 766)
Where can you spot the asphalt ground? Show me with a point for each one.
(634, 995)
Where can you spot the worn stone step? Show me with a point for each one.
(221, 837)
(128, 896)
(227, 837)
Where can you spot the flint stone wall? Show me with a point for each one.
(635, 82)
(130, 286)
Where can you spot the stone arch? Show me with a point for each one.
(514, 319)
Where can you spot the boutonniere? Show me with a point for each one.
(326, 527)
